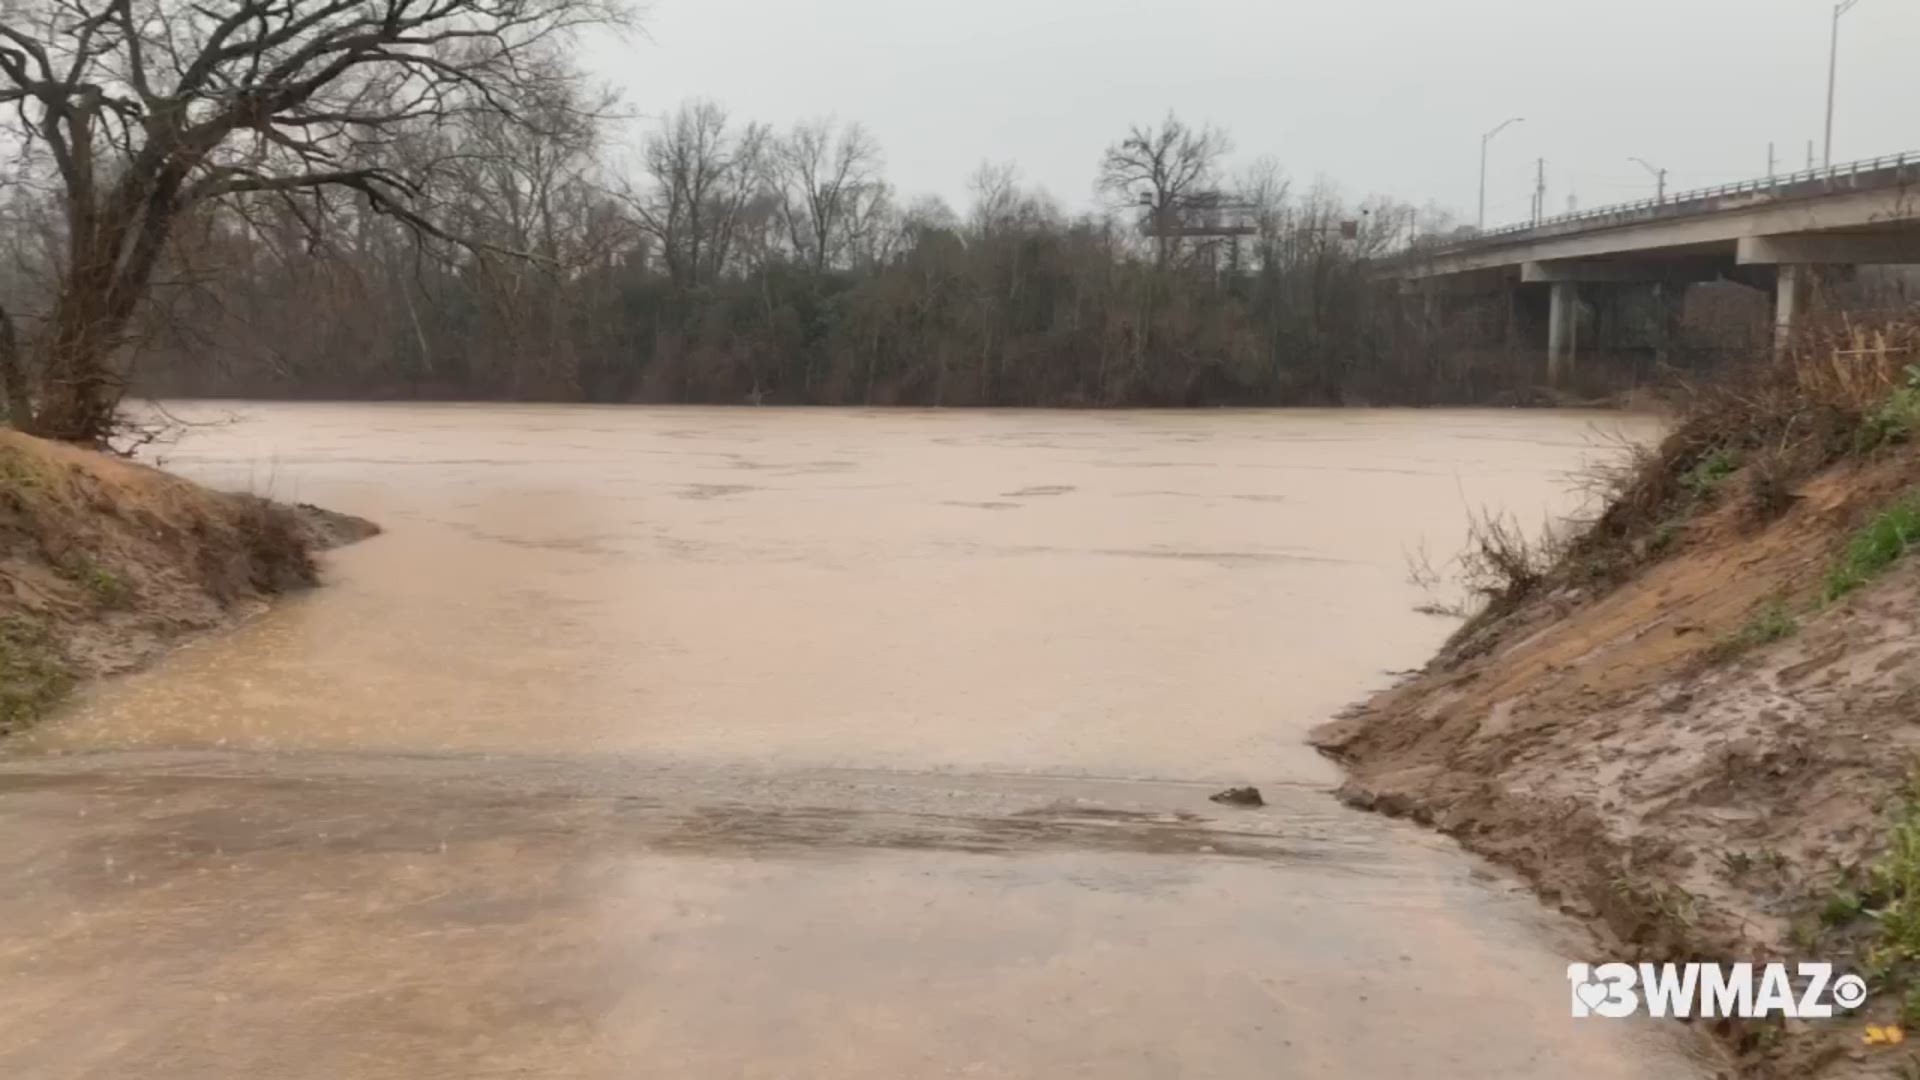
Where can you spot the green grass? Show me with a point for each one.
(17, 472)
(1874, 548)
(1897, 419)
(1670, 903)
(1664, 536)
(32, 676)
(1868, 554)
(1707, 473)
(1771, 623)
(1842, 908)
(1896, 877)
(108, 589)
(1894, 881)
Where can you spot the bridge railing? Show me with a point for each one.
(1805, 181)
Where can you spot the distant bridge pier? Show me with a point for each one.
(1792, 299)
(1802, 261)
(1527, 315)
(1563, 330)
(1565, 276)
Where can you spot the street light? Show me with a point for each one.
(1659, 175)
(1487, 138)
(1833, 61)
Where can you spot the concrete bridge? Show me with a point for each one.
(1780, 233)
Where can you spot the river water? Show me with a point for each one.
(799, 743)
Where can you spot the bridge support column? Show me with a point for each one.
(1563, 321)
(1792, 297)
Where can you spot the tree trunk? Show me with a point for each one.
(78, 389)
(13, 379)
(113, 256)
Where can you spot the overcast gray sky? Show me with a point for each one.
(1379, 96)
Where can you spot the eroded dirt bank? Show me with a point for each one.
(107, 563)
(1704, 754)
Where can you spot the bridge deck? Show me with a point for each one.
(1869, 198)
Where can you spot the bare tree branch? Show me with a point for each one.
(290, 98)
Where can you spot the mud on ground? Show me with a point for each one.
(105, 564)
(1695, 800)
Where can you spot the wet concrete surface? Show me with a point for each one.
(316, 916)
(819, 785)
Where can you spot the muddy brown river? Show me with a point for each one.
(769, 743)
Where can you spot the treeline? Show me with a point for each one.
(424, 198)
(739, 264)
(343, 198)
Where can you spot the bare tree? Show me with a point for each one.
(12, 371)
(149, 108)
(996, 196)
(1263, 186)
(927, 214)
(704, 179)
(1160, 169)
(870, 233)
(740, 200)
(827, 181)
(522, 187)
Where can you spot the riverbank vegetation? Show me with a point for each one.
(106, 563)
(748, 266)
(1689, 719)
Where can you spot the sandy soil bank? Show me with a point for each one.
(105, 564)
(1649, 759)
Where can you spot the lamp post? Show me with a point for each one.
(1484, 140)
(1659, 176)
(1833, 63)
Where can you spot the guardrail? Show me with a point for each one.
(1824, 178)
